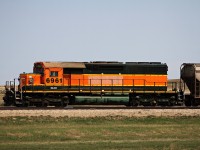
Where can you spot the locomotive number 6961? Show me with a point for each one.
(54, 80)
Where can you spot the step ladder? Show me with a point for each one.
(197, 93)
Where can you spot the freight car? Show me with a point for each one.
(190, 74)
(59, 83)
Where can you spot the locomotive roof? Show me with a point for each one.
(82, 64)
(64, 64)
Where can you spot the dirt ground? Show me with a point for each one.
(137, 113)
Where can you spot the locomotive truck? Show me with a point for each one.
(144, 83)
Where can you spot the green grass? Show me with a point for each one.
(100, 133)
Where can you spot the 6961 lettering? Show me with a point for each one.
(53, 80)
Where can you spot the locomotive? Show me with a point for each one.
(144, 83)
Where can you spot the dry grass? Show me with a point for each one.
(1, 99)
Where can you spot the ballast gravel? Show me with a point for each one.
(103, 113)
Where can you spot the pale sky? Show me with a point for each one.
(166, 31)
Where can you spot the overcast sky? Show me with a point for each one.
(166, 31)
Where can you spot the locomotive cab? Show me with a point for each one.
(32, 79)
(42, 76)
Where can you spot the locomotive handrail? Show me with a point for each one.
(110, 84)
(7, 86)
(100, 82)
(15, 87)
(21, 93)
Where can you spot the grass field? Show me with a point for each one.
(99, 133)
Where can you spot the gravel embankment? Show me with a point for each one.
(102, 113)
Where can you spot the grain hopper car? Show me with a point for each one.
(190, 74)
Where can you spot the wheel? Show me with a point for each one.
(133, 102)
(153, 103)
(194, 103)
(65, 101)
(187, 103)
(45, 103)
(71, 99)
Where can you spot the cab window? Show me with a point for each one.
(39, 70)
(53, 73)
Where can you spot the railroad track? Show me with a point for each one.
(74, 107)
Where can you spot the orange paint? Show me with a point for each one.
(53, 76)
(118, 80)
(30, 79)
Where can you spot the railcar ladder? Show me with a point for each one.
(197, 94)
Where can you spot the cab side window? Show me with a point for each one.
(54, 74)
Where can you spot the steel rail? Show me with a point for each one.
(73, 107)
